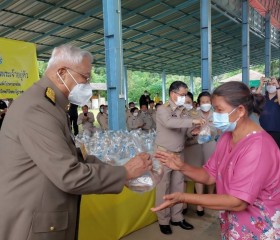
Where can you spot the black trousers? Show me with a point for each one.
(276, 137)
(73, 123)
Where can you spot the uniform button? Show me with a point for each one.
(52, 228)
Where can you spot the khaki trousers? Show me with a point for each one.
(172, 181)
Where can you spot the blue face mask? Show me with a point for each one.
(221, 121)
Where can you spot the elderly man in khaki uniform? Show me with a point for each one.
(172, 125)
(41, 174)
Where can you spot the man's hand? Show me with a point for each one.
(262, 81)
(195, 131)
(274, 81)
(138, 165)
(85, 119)
(198, 122)
(169, 160)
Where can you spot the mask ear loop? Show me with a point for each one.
(62, 81)
(72, 76)
(232, 111)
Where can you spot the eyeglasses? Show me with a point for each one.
(87, 78)
(181, 94)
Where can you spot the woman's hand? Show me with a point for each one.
(170, 200)
(169, 160)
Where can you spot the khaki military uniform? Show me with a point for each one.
(151, 110)
(198, 154)
(154, 117)
(127, 114)
(172, 125)
(147, 120)
(102, 119)
(87, 122)
(134, 123)
(41, 177)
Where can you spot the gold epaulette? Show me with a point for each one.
(50, 95)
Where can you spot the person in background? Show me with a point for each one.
(42, 174)
(86, 118)
(154, 115)
(269, 118)
(195, 105)
(245, 167)
(151, 107)
(128, 113)
(146, 118)
(102, 117)
(134, 122)
(259, 102)
(189, 112)
(170, 137)
(189, 103)
(197, 154)
(253, 89)
(156, 98)
(3, 110)
(73, 115)
(144, 99)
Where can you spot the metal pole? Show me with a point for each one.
(125, 84)
(114, 63)
(191, 83)
(245, 42)
(267, 44)
(163, 86)
(206, 45)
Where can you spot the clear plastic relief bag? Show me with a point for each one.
(204, 135)
(118, 147)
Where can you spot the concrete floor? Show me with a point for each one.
(206, 227)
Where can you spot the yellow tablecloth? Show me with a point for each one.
(110, 217)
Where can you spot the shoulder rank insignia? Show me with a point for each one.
(50, 95)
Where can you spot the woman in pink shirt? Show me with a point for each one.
(245, 167)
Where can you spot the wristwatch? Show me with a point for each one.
(278, 88)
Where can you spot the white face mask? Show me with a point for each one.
(80, 94)
(271, 89)
(135, 114)
(180, 101)
(205, 107)
(188, 106)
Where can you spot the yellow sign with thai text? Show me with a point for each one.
(18, 67)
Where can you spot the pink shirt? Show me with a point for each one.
(249, 171)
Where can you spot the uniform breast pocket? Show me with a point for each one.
(49, 225)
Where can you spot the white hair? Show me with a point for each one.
(68, 54)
